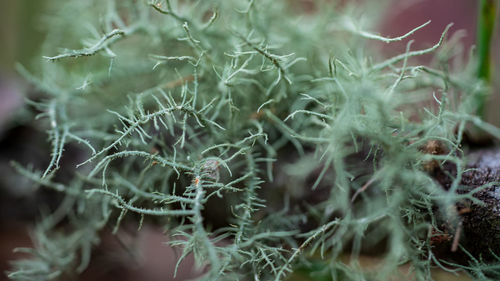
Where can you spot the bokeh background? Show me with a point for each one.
(21, 34)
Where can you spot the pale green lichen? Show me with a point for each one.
(176, 102)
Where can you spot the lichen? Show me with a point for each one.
(174, 103)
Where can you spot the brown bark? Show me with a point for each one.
(479, 223)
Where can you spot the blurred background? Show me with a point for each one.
(21, 35)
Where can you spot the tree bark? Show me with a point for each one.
(478, 225)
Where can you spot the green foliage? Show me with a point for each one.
(177, 102)
(485, 31)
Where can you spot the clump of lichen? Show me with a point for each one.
(174, 103)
